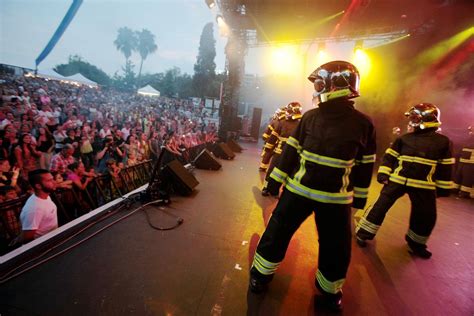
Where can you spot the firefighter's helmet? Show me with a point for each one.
(293, 108)
(336, 79)
(424, 115)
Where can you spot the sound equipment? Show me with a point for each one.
(234, 146)
(205, 160)
(256, 122)
(182, 180)
(221, 150)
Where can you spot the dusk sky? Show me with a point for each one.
(27, 25)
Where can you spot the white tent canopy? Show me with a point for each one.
(50, 74)
(149, 90)
(81, 79)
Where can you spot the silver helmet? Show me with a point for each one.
(424, 115)
(336, 79)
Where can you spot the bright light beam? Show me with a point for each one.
(362, 61)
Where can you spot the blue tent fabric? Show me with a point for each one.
(59, 31)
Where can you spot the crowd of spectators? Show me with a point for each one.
(77, 132)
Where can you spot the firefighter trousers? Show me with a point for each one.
(422, 216)
(270, 184)
(334, 231)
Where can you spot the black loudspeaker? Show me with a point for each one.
(223, 151)
(182, 180)
(256, 121)
(205, 160)
(234, 146)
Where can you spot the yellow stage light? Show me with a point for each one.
(285, 60)
(362, 61)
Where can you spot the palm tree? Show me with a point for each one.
(145, 46)
(126, 42)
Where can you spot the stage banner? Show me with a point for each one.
(60, 30)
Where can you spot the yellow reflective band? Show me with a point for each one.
(296, 116)
(265, 135)
(294, 143)
(345, 180)
(282, 139)
(445, 184)
(332, 287)
(392, 152)
(367, 226)
(278, 175)
(447, 161)
(275, 133)
(327, 161)
(413, 182)
(423, 161)
(361, 192)
(468, 150)
(430, 124)
(269, 146)
(467, 189)
(385, 170)
(417, 238)
(263, 266)
(271, 128)
(464, 160)
(278, 150)
(302, 170)
(264, 165)
(316, 195)
(366, 159)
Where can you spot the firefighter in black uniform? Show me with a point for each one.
(326, 167)
(418, 163)
(267, 151)
(278, 138)
(464, 180)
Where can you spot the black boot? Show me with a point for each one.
(362, 243)
(417, 249)
(258, 282)
(265, 192)
(331, 301)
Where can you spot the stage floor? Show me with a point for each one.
(201, 267)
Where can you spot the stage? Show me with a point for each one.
(201, 267)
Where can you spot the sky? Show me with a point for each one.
(27, 25)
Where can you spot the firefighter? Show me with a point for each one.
(418, 163)
(278, 138)
(326, 167)
(464, 180)
(268, 149)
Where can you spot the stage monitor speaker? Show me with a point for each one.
(205, 160)
(221, 150)
(182, 180)
(256, 122)
(234, 146)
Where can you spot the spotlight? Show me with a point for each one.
(210, 3)
(359, 44)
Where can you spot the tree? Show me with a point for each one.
(145, 46)
(77, 65)
(126, 42)
(205, 67)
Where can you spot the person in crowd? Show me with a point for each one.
(331, 142)
(109, 151)
(8, 177)
(45, 146)
(59, 135)
(60, 182)
(10, 216)
(26, 155)
(419, 164)
(61, 160)
(39, 215)
(154, 145)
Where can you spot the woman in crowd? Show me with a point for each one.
(45, 146)
(26, 155)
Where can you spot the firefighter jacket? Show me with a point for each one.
(282, 131)
(270, 147)
(421, 159)
(330, 156)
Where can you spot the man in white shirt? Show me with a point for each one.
(39, 215)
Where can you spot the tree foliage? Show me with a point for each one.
(126, 42)
(145, 45)
(77, 65)
(205, 67)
